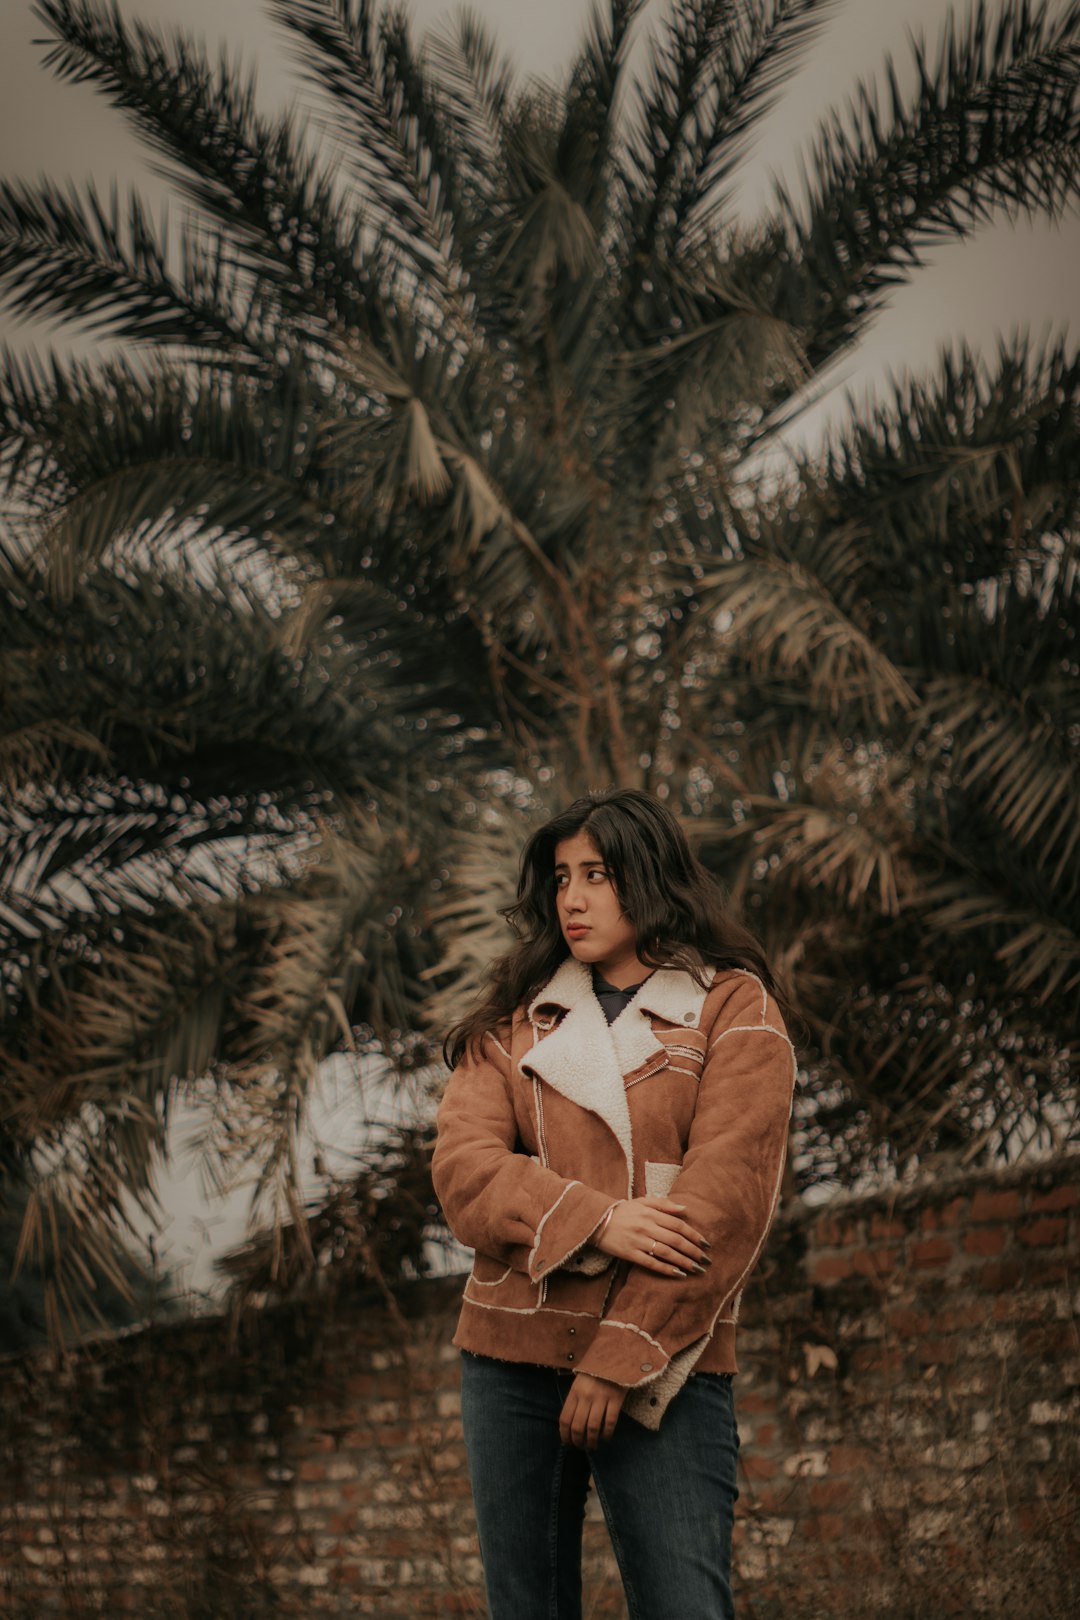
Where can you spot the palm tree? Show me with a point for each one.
(432, 487)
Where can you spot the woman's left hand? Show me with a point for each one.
(590, 1412)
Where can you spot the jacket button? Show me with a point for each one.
(570, 1356)
(689, 1018)
(571, 1331)
(646, 1366)
(540, 1264)
(653, 1401)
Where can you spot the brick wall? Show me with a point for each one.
(908, 1405)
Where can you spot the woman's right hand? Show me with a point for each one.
(652, 1233)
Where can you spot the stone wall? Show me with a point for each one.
(909, 1407)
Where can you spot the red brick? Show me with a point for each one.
(881, 1226)
(908, 1322)
(995, 1206)
(755, 1466)
(877, 1358)
(834, 1232)
(1046, 1233)
(999, 1274)
(395, 1437)
(765, 1434)
(358, 1385)
(1032, 1518)
(830, 1268)
(830, 1492)
(1047, 1273)
(814, 1566)
(825, 1526)
(845, 1459)
(311, 1468)
(1056, 1198)
(933, 1351)
(767, 1499)
(341, 1524)
(971, 1315)
(314, 1442)
(874, 1262)
(756, 1400)
(985, 1240)
(933, 1251)
(936, 1216)
(1050, 1341)
(1020, 1307)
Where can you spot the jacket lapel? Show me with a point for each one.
(578, 1058)
(587, 1060)
(670, 994)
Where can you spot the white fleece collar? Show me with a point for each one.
(669, 993)
(585, 1058)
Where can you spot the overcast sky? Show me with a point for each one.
(1001, 279)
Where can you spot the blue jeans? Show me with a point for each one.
(668, 1496)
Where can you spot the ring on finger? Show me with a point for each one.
(652, 1248)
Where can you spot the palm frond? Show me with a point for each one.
(746, 60)
(475, 86)
(977, 458)
(589, 141)
(318, 955)
(994, 127)
(1008, 724)
(470, 930)
(156, 458)
(280, 204)
(793, 625)
(1039, 952)
(77, 1234)
(393, 134)
(831, 846)
(87, 262)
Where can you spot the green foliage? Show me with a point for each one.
(429, 493)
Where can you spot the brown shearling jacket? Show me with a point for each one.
(688, 1093)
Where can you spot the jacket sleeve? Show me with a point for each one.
(655, 1328)
(496, 1198)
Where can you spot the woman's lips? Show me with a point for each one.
(576, 930)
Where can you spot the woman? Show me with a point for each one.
(611, 1144)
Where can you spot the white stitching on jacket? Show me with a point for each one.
(543, 1223)
(528, 1310)
(614, 1321)
(751, 1029)
(473, 1278)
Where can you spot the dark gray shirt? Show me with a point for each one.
(612, 999)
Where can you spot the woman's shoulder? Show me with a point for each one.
(738, 996)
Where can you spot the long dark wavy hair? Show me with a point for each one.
(675, 905)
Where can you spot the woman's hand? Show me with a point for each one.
(651, 1232)
(590, 1412)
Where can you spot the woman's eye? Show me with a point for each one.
(600, 876)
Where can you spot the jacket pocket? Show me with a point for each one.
(488, 1273)
(659, 1178)
(491, 1282)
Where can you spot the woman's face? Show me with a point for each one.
(590, 914)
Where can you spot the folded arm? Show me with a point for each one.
(496, 1198)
